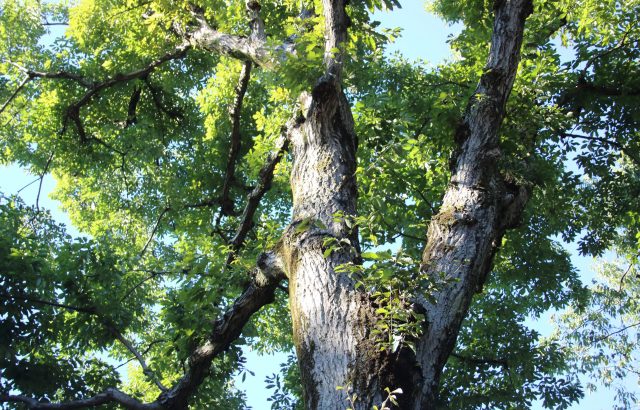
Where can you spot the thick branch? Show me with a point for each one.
(254, 48)
(108, 396)
(478, 206)
(260, 292)
(336, 23)
(74, 110)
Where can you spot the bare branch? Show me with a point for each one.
(255, 196)
(145, 369)
(234, 150)
(108, 396)
(15, 93)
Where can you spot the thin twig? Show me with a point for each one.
(608, 335)
(143, 353)
(110, 395)
(604, 141)
(15, 93)
(82, 309)
(145, 368)
(155, 229)
(28, 185)
(631, 265)
(152, 275)
(44, 172)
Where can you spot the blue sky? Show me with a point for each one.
(424, 36)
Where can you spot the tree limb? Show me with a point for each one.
(253, 199)
(236, 110)
(254, 48)
(266, 278)
(145, 368)
(108, 396)
(65, 75)
(15, 93)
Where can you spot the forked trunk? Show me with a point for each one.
(331, 319)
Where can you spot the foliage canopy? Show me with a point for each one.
(159, 148)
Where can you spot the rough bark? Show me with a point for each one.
(331, 319)
(478, 206)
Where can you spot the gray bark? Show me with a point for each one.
(478, 206)
(331, 320)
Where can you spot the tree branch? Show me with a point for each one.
(253, 199)
(44, 172)
(155, 229)
(65, 75)
(133, 105)
(108, 396)
(254, 48)
(236, 110)
(143, 353)
(15, 93)
(628, 152)
(481, 360)
(90, 310)
(608, 335)
(73, 112)
(145, 369)
(266, 278)
(336, 23)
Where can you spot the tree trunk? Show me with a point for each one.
(331, 319)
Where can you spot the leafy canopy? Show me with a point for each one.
(138, 131)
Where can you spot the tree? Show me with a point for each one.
(263, 174)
